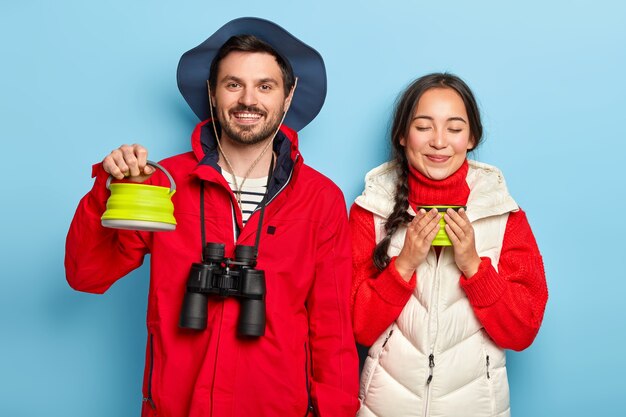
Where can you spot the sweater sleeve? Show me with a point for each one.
(510, 302)
(95, 256)
(377, 297)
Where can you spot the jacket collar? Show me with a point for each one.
(286, 167)
(204, 146)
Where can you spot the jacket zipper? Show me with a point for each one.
(216, 360)
(148, 397)
(217, 345)
(309, 408)
(281, 188)
(488, 376)
(236, 226)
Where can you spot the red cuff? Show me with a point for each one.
(392, 287)
(99, 194)
(486, 286)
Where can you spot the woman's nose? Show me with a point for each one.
(438, 140)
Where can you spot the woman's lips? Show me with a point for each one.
(437, 158)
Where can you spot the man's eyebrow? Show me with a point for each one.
(228, 77)
(268, 80)
(236, 79)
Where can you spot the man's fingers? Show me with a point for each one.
(141, 154)
(128, 154)
(128, 160)
(114, 164)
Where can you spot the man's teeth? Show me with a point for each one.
(248, 115)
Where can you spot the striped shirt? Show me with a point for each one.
(251, 194)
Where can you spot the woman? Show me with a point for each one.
(438, 318)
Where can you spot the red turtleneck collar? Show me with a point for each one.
(451, 191)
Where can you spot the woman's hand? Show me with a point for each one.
(461, 234)
(128, 161)
(419, 236)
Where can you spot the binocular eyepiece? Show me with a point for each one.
(225, 277)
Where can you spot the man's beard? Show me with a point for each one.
(246, 135)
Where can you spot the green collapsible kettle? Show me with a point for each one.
(136, 206)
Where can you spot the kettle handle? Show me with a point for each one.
(154, 164)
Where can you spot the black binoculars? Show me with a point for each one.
(226, 277)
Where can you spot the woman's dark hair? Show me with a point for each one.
(402, 118)
(250, 43)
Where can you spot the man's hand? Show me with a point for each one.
(128, 161)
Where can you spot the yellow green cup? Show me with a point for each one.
(138, 206)
(441, 239)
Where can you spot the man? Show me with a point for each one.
(243, 183)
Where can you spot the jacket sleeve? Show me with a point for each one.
(95, 256)
(334, 360)
(377, 297)
(510, 302)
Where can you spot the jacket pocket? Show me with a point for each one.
(149, 408)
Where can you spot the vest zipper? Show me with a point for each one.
(488, 376)
(431, 365)
(434, 309)
(148, 397)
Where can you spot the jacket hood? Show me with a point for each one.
(488, 196)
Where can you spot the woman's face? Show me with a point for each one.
(439, 134)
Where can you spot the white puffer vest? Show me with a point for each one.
(436, 359)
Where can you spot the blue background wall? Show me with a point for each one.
(79, 78)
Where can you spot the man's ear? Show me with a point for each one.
(290, 96)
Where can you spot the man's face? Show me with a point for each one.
(249, 96)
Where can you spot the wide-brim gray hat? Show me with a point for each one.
(307, 63)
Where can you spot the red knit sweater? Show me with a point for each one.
(508, 303)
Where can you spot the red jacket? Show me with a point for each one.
(306, 362)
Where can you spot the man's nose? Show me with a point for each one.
(248, 97)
